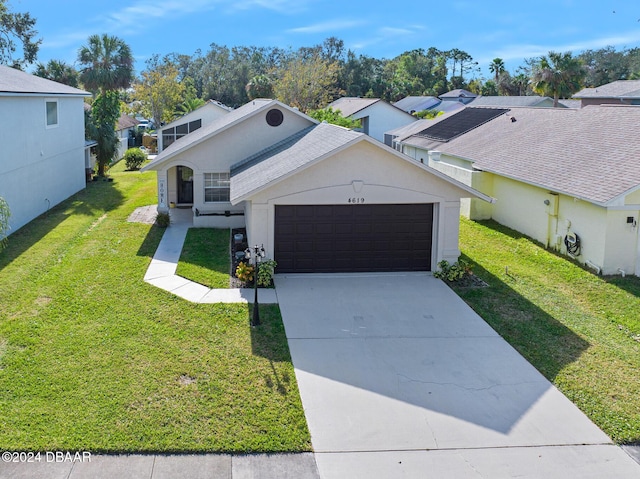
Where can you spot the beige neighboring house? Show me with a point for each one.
(621, 92)
(376, 116)
(567, 178)
(207, 113)
(319, 197)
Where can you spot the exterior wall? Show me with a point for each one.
(621, 248)
(39, 166)
(217, 154)
(604, 101)
(382, 118)
(369, 174)
(207, 114)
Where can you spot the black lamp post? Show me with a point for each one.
(258, 254)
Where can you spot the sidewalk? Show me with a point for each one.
(162, 270)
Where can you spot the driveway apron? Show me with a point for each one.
(399, 378)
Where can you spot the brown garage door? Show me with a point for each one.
(353, 238)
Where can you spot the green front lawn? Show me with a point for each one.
(206, 257)
(580, 330)
(93, 358)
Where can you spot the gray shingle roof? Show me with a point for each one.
(288, 156)
(14, 81)
(616, 89)
(459, 93)
(350, 105)
(531, 101)
(417, 103)
(592, 153)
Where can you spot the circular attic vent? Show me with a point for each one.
(274, 117)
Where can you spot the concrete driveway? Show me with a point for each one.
(400, 379)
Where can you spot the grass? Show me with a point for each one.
(580, 330)
(205, 257)
(92, 358)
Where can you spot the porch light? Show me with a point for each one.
(258, 253)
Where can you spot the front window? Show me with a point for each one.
(52, 113)
(216, 187)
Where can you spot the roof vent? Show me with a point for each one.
(513, 119)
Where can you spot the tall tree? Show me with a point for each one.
(159, 91)
(106, 64)
(58, 71)
(497, 67)
(557, 75)
(106, 67)
(15, 29)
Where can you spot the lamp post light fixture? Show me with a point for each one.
(258, 253)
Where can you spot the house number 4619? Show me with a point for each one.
(355, 200)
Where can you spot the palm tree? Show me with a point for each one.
(59, 71)
(189, 105)
(497, 68)
(106, 66)
(106, 63)
(557, 75)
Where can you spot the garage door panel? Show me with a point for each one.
(344, 238)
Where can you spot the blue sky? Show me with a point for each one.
(486, 29)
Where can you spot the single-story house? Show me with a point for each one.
(207, 113)
(125, 128)
(319, 197)
(43, 145)
(567, 178)
(533, 101)
(376, 116)
(620, 92)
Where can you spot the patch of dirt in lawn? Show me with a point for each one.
(186, 380)
(468, 281)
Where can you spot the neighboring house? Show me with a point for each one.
(207, 113)
(319, 197)
(621, 92)
(376, 116)
(558, 174)
(533, 101)
(460, 95)
(413, 104)
(125, 129)
(575, 104)
(43, 146)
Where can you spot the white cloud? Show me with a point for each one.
(330, 26)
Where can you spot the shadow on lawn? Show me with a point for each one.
(631, 284)
(539, 337)
(269, 341)
(96, 197)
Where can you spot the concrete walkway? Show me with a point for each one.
(162, 270)
(399, 378)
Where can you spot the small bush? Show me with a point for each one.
(453, 272)
(163, 220)
(244, 272)
(265, 272)
(134, 158)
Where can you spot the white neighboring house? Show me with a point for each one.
(207, 113)
(376, 116)
(42, 160)
(124, 127)
(319, 197)
(567, 178)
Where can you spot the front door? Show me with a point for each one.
(185, 185)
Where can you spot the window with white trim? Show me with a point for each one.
(216, 187)
(51, 113)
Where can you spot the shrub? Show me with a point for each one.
(265, 272)
(452, 272)
(163, 220)
(134, 157)
(244, 272)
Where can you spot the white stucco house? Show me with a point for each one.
(207, 113)
(319, 197)
(42, 159)
(376, 116)
(567, 178)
